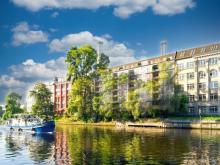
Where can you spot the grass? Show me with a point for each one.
(204, 118)
(72, 121)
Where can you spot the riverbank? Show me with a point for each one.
(69, 121)
(180, 122)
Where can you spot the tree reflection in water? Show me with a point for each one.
(39, 147)
(92, 145)
(104, 145)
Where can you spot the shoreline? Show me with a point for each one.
(178, 124)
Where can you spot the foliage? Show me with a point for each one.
(98, 94)
(12, 105)
(166, 100)
(1, 111)
(81, 98)
(133, 104)
(108, 110)
(43, 106)
(84, 62)
(178, 103)
(84, 65)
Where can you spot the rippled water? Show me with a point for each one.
(103, 145)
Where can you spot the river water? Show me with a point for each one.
(103, 145)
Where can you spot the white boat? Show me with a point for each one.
(21, 122)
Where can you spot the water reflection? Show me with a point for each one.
(90, 145)
(26, 148)
(100, 145)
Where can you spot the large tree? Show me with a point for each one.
(133, 104)
(13, 105)
(43, 106)
(84, 66)
(1, 111)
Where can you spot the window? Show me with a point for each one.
(202, 86)
(202, 109)
(213, 61)
(213, 73)
(180, 66)
(202, 97)
(192, 52)
(155, 74)
(191, 109)
(190, 65)
(181, 88)
(191, 98)
(213, 96)
(213, 84)
(190, 86)
(181, 76)
(213, 109)
(190, 75)
(201, 63)
(202, 74)
(155, 67)
(203, 50)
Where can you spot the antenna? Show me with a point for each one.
(99, 51)
(163, 47)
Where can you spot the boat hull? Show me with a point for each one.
(46, 127)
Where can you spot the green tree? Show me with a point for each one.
(13, 105)
(159, 89)
(80, 103)
(133, 104)
(109, 106)
(43, 106)
(84, 66)
(1, 111)
(179, 101)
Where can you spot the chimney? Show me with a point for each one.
(163, 48)
(99, 51)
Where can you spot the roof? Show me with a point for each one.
(178, 55)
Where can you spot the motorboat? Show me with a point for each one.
(21, 122)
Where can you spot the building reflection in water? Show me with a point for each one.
(93, 145)
(61, 155)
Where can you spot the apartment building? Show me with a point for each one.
(61, 90)
(196, 70)
(198, 74)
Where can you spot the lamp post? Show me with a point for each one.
(200, 117)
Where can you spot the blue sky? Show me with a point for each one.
(35, 35)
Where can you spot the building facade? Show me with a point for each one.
(196, 70)
(61, 90)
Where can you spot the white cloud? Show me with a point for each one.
(22, 34)
(10, 82)
(171, 7)
(22, 76)
(118, 53)
(122, 8)
(54, 14)
(31, 71)
(53, 30)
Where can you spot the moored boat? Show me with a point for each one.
(30, 123)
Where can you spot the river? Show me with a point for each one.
(107, 145)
